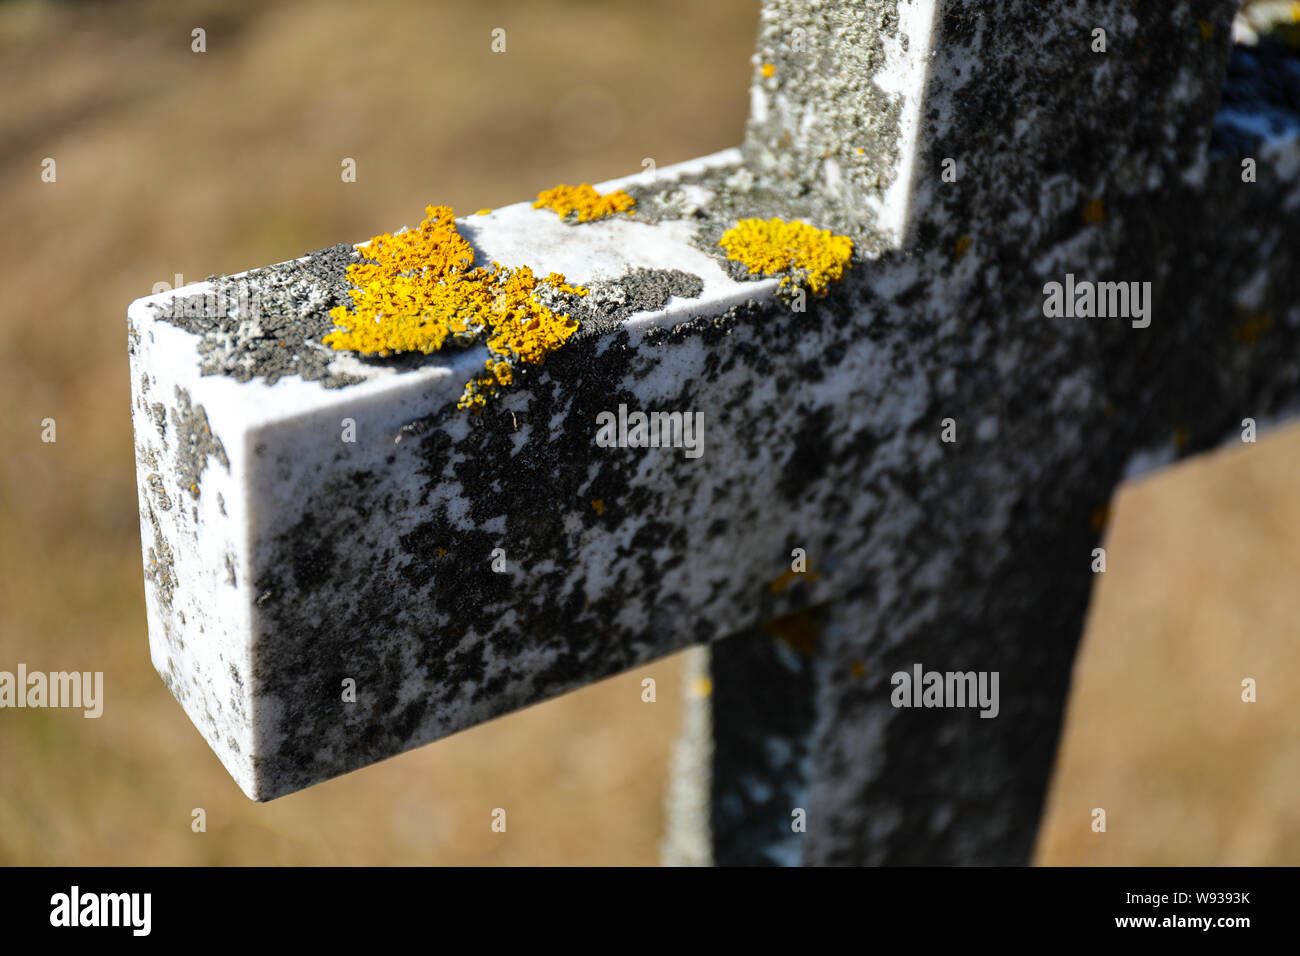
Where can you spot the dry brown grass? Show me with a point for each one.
(1200, 592)
(171, 162)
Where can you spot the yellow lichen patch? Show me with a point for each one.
(598, 505)
(523, 329)
(769, 70)
(798, 630)
(583, 202)
(963, 246)
(780, 583)
(1279, 20)
(1250, 328)
(1095, 211)
(1099, 518)
(858, 670)
(808, 255)
(415, 291)
(1206, 28)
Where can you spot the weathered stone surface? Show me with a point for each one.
(299, 559)
(976, 555)
(305, 560)
(865, 99)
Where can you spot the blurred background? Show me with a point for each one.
(171, 162)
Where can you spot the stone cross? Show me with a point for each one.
(1056, 282)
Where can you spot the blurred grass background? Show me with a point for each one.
(171, 162)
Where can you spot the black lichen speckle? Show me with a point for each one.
(388, 579)
(809, 454)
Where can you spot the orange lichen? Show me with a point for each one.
(1099, 518)
(780, 583)
(798, 630)
(415, 291)
(963, 247)
(583, 202)
(809, 256)
(1249, 330)
(1095, 211)
(769, 70)
(598, 505)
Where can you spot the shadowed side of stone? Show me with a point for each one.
(612, 556)
(760, 781)
(978, 553)
(975, 556)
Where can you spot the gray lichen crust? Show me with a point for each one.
(195, 443)
(715, 200)
(269, 322)
(176, 454)
(609, 302)
(820, 121)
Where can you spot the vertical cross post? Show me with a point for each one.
(985, 150)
